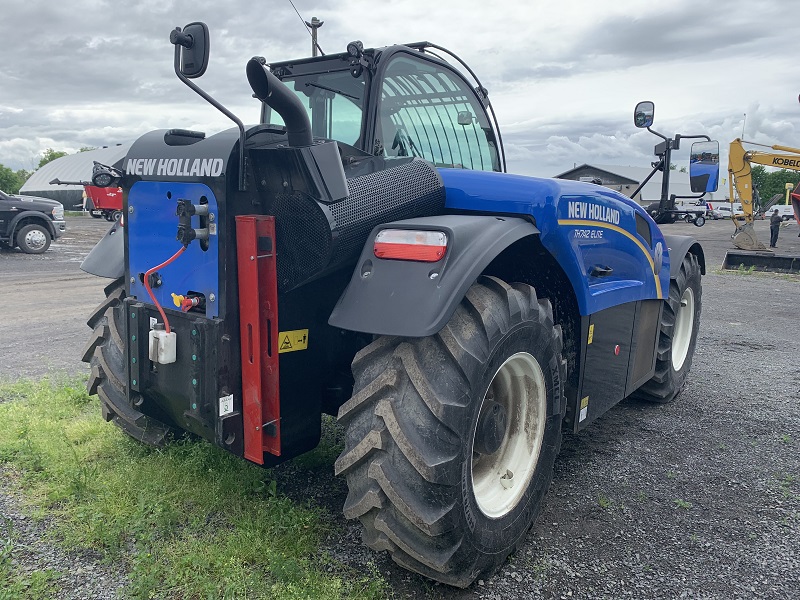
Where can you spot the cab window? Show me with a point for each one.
(334, 101)
(428, 111)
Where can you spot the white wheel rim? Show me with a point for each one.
(35, 239)
(499, 480)
(682, 334)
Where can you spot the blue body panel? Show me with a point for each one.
(587, 228)
(152, 221)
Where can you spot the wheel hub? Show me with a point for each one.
(684, 323)
(35, 239)
(508, 435)
(491, 427)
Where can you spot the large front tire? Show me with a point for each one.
(108, 377)
(451, 439)
(677, 336)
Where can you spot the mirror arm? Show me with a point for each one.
(705, 137)
(646, 179)
(673, 197)
(654, 132)
(219, 107)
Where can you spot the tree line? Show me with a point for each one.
(770, 184)
(11, 181)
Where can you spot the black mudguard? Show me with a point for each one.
(41, 219)
(416, 299)
(678, 246)
(107, 258)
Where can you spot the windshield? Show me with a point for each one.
(334, 102)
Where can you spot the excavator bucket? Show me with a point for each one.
(745, 238)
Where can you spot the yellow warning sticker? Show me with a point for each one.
(584, 408)
(291, 341)
(591, 334)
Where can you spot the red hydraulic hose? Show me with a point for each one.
(150, 292)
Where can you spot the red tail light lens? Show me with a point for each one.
(410, 244)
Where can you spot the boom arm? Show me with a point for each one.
(740, 179)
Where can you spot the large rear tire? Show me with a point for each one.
(677, 336)
(105, 353)
(451, 439)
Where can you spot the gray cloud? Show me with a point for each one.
(564, 77)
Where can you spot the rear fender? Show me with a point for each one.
(107, 258)
(678, 246)
(416, 299)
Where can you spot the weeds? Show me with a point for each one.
(14, 583)
(682, 503)
(190, 520)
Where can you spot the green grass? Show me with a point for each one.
(188, 521)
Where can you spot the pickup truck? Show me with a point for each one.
(29, 222)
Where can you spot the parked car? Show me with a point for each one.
(29, 222)
(723, 210)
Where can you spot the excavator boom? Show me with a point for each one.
(740, 180)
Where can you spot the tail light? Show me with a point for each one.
(410, 244)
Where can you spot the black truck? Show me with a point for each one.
(30, 222)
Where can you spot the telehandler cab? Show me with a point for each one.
(361, 252)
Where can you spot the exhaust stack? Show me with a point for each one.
(271, 90)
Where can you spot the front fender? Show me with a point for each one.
(107, 258)
(678, 246)
(416, 299)
(39, 216)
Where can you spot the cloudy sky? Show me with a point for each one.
(563, 76)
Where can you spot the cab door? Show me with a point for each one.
(7, 212)
(426, 109)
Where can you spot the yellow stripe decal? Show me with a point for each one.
(642, 247)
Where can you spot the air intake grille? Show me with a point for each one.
(313, 237)
(413, 189)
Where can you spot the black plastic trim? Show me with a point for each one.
(679, 246)
(39, 216)
(107, 258)
(416, 299)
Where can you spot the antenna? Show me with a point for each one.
(312, 30)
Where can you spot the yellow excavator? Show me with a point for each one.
(740, 179)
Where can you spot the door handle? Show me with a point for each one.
(600, 271)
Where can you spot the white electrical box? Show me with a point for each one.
(163, 346)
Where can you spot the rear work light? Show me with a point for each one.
(410, 244)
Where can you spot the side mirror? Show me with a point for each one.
(643, 114)
(704, 167)
(194, 41)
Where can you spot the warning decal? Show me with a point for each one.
(290, 341)
(584, 408)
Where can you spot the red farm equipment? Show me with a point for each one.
(101, 202)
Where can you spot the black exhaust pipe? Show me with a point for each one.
(271, 90)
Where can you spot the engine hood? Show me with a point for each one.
(35, 202)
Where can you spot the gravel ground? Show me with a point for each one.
(696, 499)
